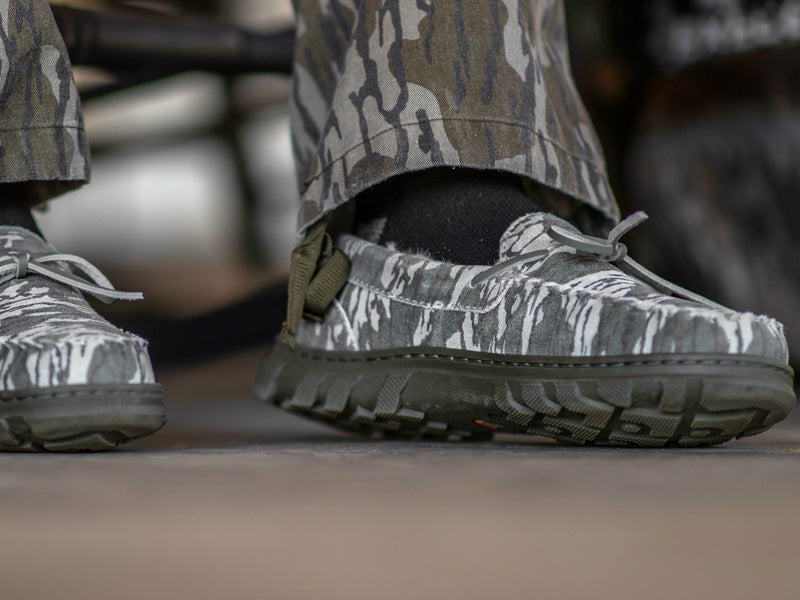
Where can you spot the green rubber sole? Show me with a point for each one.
(76, 418)
(647, 401)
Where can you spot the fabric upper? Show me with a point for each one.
(51, 336)
(565, 304)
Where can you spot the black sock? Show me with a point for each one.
(15, 208)
(452, 214)
(19, 214)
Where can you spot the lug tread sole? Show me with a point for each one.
(79, 418)
(655, 404)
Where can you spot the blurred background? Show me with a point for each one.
(193, 193)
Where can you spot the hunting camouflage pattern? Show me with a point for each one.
(41, 128)
(51, 336)
(564, 304)
(383, 87)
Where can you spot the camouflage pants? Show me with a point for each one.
(381, 87)
(42, 141)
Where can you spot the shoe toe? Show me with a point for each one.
(685, 328)
(79, 359)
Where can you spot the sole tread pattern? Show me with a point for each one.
(647, 410)
(79, 418)
(16, 436)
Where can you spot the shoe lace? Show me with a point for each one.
(20, 265)
(609, 249)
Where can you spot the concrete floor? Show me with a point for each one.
(236, 500)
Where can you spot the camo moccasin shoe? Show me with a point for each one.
(564, 337)
(69, 380)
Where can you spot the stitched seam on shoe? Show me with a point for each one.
(528, 280)
(609, 364)
(561, 288)
(434, 306)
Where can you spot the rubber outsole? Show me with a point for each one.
(78, 418)
(645, 401)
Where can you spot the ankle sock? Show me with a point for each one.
(15, 208)
(13, 213)
(451, 214)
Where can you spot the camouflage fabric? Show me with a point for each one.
(383, 87)
(565, 304)
(51, 336)
(41, 129)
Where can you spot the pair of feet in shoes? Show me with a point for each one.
(549, 332)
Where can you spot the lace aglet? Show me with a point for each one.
(112, 295)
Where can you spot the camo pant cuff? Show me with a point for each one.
(51, 159)
(341, 178)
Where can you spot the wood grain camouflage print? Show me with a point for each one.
(383, 87)
(565, 304)
(51, 336)
(41, 128)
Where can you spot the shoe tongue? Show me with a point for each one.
(529, 234)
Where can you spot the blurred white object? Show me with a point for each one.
(168, 204)
(152, 198)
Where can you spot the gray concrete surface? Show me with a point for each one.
(236, 500)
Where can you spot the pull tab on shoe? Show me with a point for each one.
(318, 272)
